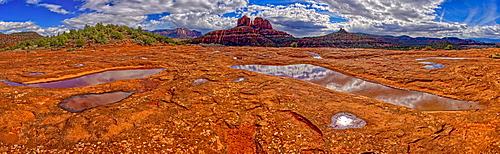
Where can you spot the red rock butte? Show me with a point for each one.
(258, 32)
(258, 23)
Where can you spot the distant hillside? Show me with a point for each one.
(422, 41)
(15, 38)
(177, 33)
(343, 39)
(88, 36)
(487, 40)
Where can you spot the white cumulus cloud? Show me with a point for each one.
(134, 7)
(55, 8)
(94, 18)
(202, 21)
(5, 26)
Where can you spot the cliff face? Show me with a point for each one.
(178, 32)
(247, 33)
(343, 39)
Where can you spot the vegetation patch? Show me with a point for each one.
(98, 34)
(496, 55)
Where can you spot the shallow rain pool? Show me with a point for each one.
(93, 79)
(81, 103)
(348, 84)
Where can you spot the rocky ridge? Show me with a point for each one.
(344, 39)
(177, 33)
(14, 38)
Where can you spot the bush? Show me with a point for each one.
(428, 48)
(294, 44)
(80, 42)
(146, 40)
(496, 55)
(449, 47)
(117, 35)
(101, 38)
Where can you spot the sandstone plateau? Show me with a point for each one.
(169, 113)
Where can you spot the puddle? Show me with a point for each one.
(434, 66)
(346, 120)
(36, 73)
(450, 58)
(239, 79)
(81, 103)
(427, 63)
(198, 82)
(238, 58)
(348, 84)
(431, 65)
(315, 55)
(93, 79)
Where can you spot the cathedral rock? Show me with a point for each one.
(258, 32)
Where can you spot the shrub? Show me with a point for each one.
(101, 38)
(449, 47)
(496, 55)
(80, 42)
(428, 48)
(294, 44)
(146, 40)
(117, 35)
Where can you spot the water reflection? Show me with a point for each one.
(344, 83)
(81, 103)
(93, 79)
(315, 55)
(450, 58)
(431, 65)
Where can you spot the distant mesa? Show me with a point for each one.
(344, 39)
(177, 33)
(258, 32)
(15, 38)
(422, 41)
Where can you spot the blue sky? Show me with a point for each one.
(301, 18)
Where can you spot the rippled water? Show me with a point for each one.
(348, 84)
(93, 79)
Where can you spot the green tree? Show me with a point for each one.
(62, 40)
(294, 44)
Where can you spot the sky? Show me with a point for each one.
(301, 18)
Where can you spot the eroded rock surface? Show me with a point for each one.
(262, 114)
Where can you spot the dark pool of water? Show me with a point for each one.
(434, 66)
(315, 55)
(81, 103)
(450, 58)
(431, 65)
(93, 79)
(348, 84)
(36, 73)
